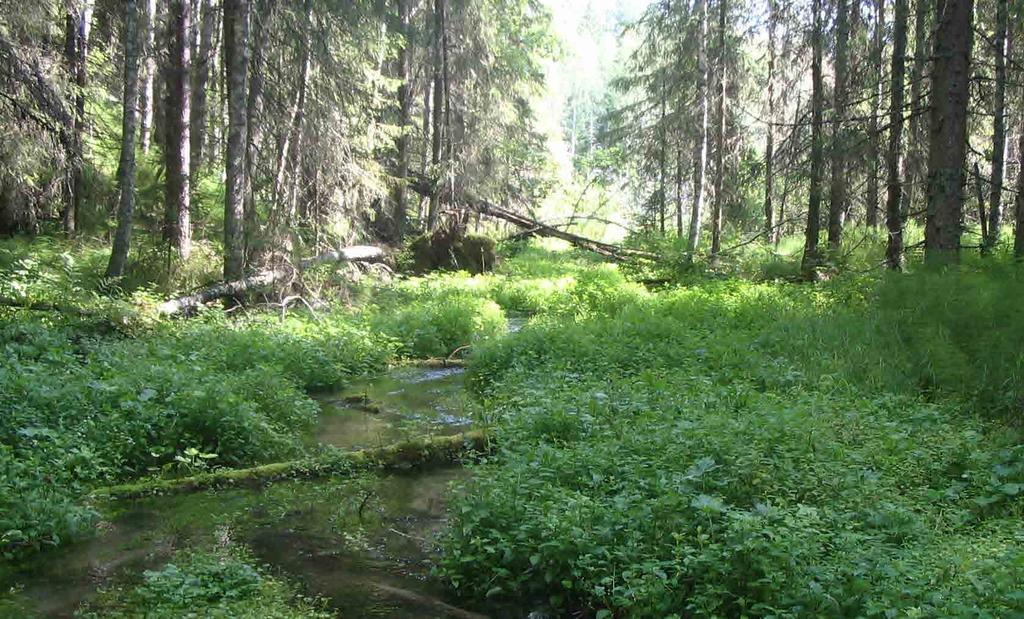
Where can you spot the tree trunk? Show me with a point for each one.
(403, 142)
(913, 162)
(875, 134)
(236, 64)
(717, 211)
(894, 198)
(700, 158)
(201, 74)
(838, 190)
(769, 150)
(995, 212)
(286, 178)
(264, 11)
(178, 225)
(812, 257)
(679, 190)
(76, 48)
(1018, 231)
(149, 26)
(126, 168)
(438, 105)
(663, 161)
(947, 148)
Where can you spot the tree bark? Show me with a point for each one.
(700, 158)
(679, 190)
(126, 168)
(769, 150)
(198, 113)
(236, 63)
(663, 161)
(875, 134)
(436, 143)
(812, 257)
(838, 190)
(264, 11)
(79, 25)
(995, 211)
(717, 210)
(403, 143)
(1018, 231)
(947, 148)
(894, 198)
(149, 26)
(914, 161)
(178, 224)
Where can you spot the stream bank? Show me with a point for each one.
(363, 543)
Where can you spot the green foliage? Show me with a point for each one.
(81, 410)
(734, 449)
(435, 325)
(208, 584)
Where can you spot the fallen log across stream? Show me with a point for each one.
(424, 187)
(268, 277)
(408, 454)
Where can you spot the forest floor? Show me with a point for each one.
(716, 447)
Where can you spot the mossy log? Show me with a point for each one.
(420, 452)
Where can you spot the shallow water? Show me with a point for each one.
(364, 544)
(404, 403)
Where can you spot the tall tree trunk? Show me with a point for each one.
(914, 161)
(79, 25)
(126, 168)
(838, 190)
(286, 177)
(875, 134)
(1018, 231)
(438, 105)
(178, 224)
(201, 75)
(679, 189)
(769, 149)
(947, 147)
(812, 255)
(995, 212)
(236, 64)
(403, 143)
(264, 11)
(894, 198)
(663, 162)
(717, 211)
(700, 157)
(149, 26)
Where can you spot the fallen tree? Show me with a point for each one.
(426, 188)
(268, 277)
(413, 453)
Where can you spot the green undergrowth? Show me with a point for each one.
(735, 449)
(225, 583)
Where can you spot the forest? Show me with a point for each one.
(511, 308)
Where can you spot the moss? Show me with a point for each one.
(407, 454)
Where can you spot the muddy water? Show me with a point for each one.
(363, 544)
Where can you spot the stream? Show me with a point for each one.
(364, 544)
